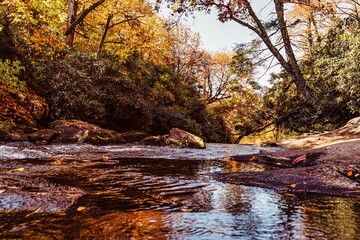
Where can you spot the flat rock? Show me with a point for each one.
(332, 170)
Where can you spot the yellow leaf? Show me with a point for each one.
(17, 170)
(80, 209)
(293, 185)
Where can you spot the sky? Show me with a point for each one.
(217, 36)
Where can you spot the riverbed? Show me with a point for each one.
(146, 192)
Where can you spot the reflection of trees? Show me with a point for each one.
(334, 218)
(320, 218)
(289, 214)
(125, 225)
(158, 167)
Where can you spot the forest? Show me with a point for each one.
(120, 65)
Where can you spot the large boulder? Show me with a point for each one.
(35, 105)
(176, 138)
(12, 112)
(74, 131)
(181, 138)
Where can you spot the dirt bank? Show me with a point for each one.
(327, 163)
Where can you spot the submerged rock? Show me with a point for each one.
(75, 131)
(35, 194)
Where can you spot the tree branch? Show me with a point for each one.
(82, 16)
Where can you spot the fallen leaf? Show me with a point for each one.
(17, 170)
(349, 173)
(2, 190)
(80, 209)
(253, 158)
(299, 159)
(105, 158)
(293, 185)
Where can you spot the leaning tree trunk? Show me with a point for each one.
(290, 64)
(102, 42)
(295, 73)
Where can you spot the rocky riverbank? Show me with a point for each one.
(75, 131)
(327, 164)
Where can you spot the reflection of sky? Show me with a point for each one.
(238, 213)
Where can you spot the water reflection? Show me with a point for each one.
(153, 198)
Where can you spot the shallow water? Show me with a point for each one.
(138, 192)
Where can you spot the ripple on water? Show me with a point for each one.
(160, 197)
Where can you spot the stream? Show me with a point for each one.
(146, 192)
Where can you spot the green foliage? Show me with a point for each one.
(98, 91)
(130, 85)
(332, 70)
(9, 76)
(334, 66)
(134, 95)
(166, 118)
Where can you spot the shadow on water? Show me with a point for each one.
(157, 198)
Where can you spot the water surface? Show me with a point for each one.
(166, 193)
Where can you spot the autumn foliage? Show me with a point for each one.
(120, 65)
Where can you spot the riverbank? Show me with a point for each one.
(327, 164)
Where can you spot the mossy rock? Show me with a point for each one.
(154, 140)
(5, 128)
(183, 139)
(133, 136)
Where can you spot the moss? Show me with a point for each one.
(5, 128)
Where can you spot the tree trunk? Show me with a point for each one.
(290, 65)
(71, 19)
(295, 73)
(101, 45)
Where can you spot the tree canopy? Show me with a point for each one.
(120, 65)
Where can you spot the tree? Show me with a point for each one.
(243, 13)
(310, 21)
(216, 77)
(74, 20)
(187, 56)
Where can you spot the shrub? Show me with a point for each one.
(9, 76)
